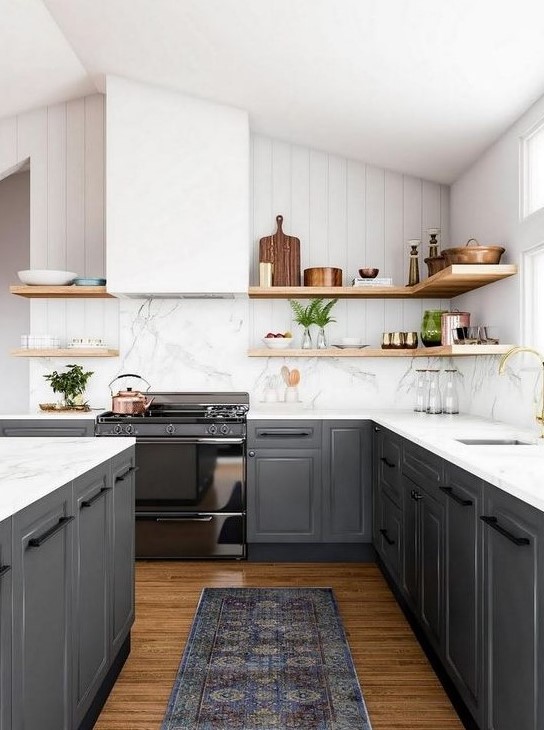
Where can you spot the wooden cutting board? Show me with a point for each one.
(284, 252)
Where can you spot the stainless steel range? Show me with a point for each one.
(191, 479)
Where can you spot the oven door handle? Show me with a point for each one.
(184, 519)
(188, 440)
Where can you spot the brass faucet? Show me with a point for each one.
(502, 363)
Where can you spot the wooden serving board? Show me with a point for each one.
(284, 252)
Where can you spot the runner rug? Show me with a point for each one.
(266, 659)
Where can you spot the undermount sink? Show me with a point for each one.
(494, 442)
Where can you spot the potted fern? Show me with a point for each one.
(71, 384)
(316, 312)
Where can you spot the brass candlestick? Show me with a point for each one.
(413, 273)
(435, 261)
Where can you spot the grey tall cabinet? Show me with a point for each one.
(6, 627)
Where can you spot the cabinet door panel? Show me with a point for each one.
(91, 586)
(432, 520)
(6, 575)
(390, 535)
(463, 627)
(514, 614)
(346, 481)
(283, 496)
(284, 434)
(42, 628)
(410, 569)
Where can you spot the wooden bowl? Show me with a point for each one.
(368, 273)
(323, 276)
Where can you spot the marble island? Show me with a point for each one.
(31, 468)
(517, 470)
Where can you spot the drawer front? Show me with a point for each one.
(284, 434)
(389, 464)
(422, 467)
(390, 535)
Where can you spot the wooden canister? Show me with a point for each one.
(323, 276)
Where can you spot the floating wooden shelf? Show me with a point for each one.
(450, 282)
(73, 352)
(443, 351)
(61, 292)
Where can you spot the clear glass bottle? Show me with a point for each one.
(420, 395)
(321, 342)
(451, 399)
(434, 402)
(307, 343)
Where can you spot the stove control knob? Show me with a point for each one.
(129, 429)
(170, 429)
(212, 429)
(117, 429)
(224, 429)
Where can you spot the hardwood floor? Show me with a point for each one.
(399, 686)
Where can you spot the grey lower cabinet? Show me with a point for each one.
(309, 481)
(42, 613)
(513, 594)
(72, 579)
(46, 427)
(6, 627)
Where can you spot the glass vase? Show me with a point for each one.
(307, 343)
(321, 343)
(431, 328)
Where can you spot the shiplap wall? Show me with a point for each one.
(65, 146)
(349, 215)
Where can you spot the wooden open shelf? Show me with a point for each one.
(61, 292)
(73, 352)
(450, 282)
(443, 351)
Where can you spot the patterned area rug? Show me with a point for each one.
(266, 659)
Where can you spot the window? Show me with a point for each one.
(533, 170)
(533, 294)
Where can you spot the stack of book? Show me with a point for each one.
(378, 281)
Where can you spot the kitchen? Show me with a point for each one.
(184, 322)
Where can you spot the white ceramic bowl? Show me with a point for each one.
(278, 343)
(353, 341)
(46, 277)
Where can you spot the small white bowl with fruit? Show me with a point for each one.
(278, 340)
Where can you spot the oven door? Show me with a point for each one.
(203, 475)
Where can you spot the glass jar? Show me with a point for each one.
(431, 327)
(307, 343)
(420, 395)
(434, 401)
(451, 399)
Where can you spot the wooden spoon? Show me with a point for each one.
(285, 374)
(294, 377)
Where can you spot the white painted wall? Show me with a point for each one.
(14, 311)
(485, 203)
(177, 192)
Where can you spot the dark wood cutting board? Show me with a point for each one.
(284, 252)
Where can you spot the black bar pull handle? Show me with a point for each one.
(289, 432)
(4, 569)
(494, 523)
(95, 497)
(125, 474)
(39, 541)
(377, 429)
(390, 464)
(456, 498)
(386, 537)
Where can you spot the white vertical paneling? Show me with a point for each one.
(8, 144)
(56, 186)
(337, 254)
(94, 186)
(445, 235)
(356, 246)
(300, 201)
(263, 219)
(375, 247)
(319, 209)
(412, 229)
(32, 142)
(75, 186)
(393, 246)
(281, 183)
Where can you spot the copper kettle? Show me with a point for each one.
(130, 402)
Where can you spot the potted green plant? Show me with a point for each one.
(316, 312)
(322, 317)
(71, 384)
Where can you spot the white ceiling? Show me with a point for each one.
(420, 86)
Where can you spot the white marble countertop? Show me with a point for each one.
(31, 468)
(518, 470)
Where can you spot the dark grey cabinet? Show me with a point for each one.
(513, 549)
(463, 637)
(6, 628)
(346, 485)
(387, 459)
(92, 586)
(122, 553)
(42, 617)
(46, 427)
(284, 490)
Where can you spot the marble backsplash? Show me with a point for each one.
(184, 344)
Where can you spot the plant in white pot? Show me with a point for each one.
(71, 385)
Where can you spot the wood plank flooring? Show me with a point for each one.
(400, 688)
